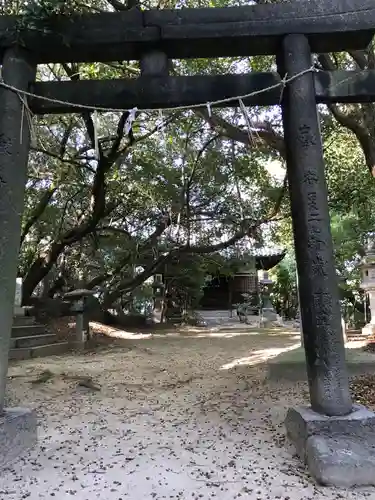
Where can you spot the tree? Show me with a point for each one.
(284, 291)
(103, 200)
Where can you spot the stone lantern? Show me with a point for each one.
(368, 284)
(158, 286)
(78, 299)
(268, 311)
(158, 296)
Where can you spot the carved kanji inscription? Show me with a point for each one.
(312, 202)
(310, 177)
(5, 145)
(306, 136)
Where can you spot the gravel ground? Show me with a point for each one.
(176, 417)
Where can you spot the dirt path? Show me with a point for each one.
(176, 418)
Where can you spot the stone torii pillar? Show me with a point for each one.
(318, 287)
(17, 426)
(328, 435)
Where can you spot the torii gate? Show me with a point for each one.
(292, 31)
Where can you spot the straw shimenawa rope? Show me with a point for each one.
(281, 84)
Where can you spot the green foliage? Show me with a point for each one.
(284, 291)
(38, 14)
(204, 181)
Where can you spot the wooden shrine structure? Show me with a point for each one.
(225, 291)
(292, 31)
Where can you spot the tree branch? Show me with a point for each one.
(150, 242)
(111, 229)
(263, 132)
(117, 5)
(37, 212)
(112, 155)
(359, 57)
(352, 121)
(249, 228)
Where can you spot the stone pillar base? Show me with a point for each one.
(18, 433)
(156, 316)
(269, 318)
(270, 314)
(339, 451)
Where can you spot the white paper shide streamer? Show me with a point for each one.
(162, 127)
(247, 119)
(130, 120)
(95, 121)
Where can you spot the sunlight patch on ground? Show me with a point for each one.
(356, 344)
(233, 333)
(221, 331)
(117, 333)
(260, 356)
(165, 424)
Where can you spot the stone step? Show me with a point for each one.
(34, 340)
(28, 330)
(23, 320)
(39, 351)
(175, 318)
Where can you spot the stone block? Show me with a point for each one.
(28, 330)
(339, 451)
(19, 354)
(50, 350)
(23, 321)
(302, 423)
(35, 340)
(342, 461)
(18, 433)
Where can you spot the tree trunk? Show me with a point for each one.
(39, 270)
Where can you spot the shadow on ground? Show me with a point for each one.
(178, 415)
